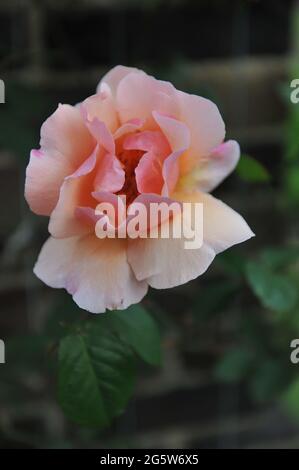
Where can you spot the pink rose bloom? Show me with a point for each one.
(142, 138)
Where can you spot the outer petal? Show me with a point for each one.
(95, 272)
(65, 144)
(223, 227)
(75, 192)
(138, 95)
(180, 265)
(218, 165)
(212, 170)
(100, 107)
(207, 128)
(166, 262)
(111, 80)
(66, 133)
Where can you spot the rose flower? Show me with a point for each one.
(140, 138)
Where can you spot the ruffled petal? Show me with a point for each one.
(138, 95)
(128, 127)
(152, 211)
(75, 192)
(100, 107)
(110, 174)
(167, 262)
(149, 171)
(110, 81)
(215, 168)
(65, 144)
(223, 227)
(206, 126)
(178, 136)
(95, 272)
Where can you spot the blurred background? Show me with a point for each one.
(226, 379)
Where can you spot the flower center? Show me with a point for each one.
(129, 160)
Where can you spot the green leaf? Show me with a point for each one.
(96, 376)
(136, 327)
(292, 181)
(292, 145)
(234, 366)
(274, 291)
(291, 399)
(251, 170)
(277, 258)
(232, 262)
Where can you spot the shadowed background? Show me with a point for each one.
(226, 379)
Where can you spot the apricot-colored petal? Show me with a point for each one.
(65, 144)
(157, 210)
(148, 173)
(100, 107)
(223, 227)
(128, 127)
(178, 136)
(206, 126)
(149, 178)
(175, 131)
(117, 204)
(220, 163)
(110, 174)
(166, 262)
(95, 272)
(170, 172)
(148, 141)
(110, 81)
(87, 215)
(138, 95)
(75, 192)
